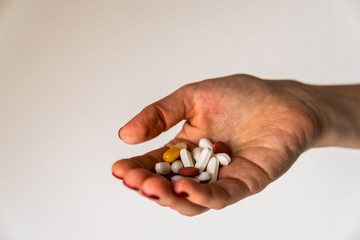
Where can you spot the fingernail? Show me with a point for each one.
(151, 196)
(116, 176)
(182, 194)
(131, 187)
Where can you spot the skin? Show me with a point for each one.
(266, 123)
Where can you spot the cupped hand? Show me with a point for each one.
(267, 124)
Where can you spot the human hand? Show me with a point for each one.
(266, 123)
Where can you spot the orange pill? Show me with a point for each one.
(173, 153)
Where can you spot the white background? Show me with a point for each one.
(73, 72)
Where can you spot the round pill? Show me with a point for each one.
(189, 171)
(221, 147)
(162, 168)
(176, 165)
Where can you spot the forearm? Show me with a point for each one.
(339, 113)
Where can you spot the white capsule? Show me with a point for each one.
(196, 180)
(196, 153)
(162, 168)
(204, 177)
(176, 178)
(186, 158)
(223, 158)
(203, 159)
(176, 165)
(205, 143)
(213, 168)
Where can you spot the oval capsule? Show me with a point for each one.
(186, 158)
(213, 168)
(173, 153)
(205, 143)
(189, 171)
(204, 177)
(223, 158)
(196, 153)
(221, 147)
(203, 159)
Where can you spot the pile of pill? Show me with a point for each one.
(202, 164)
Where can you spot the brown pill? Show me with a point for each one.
(189, 171)
(221, 147)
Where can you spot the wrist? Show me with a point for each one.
(338, 108)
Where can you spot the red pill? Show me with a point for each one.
(221, 147)
(189, 171)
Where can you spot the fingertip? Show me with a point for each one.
(132, 133)
(124, 136)
(117, 176)
(119, 133)
(116, 171)
(120, 167)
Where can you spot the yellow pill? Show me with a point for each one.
(173, 153)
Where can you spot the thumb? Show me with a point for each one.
(159, 117)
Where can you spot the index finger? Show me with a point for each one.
(159, 116)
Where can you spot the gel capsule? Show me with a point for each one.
(173, 153)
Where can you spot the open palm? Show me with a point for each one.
(266, 123)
